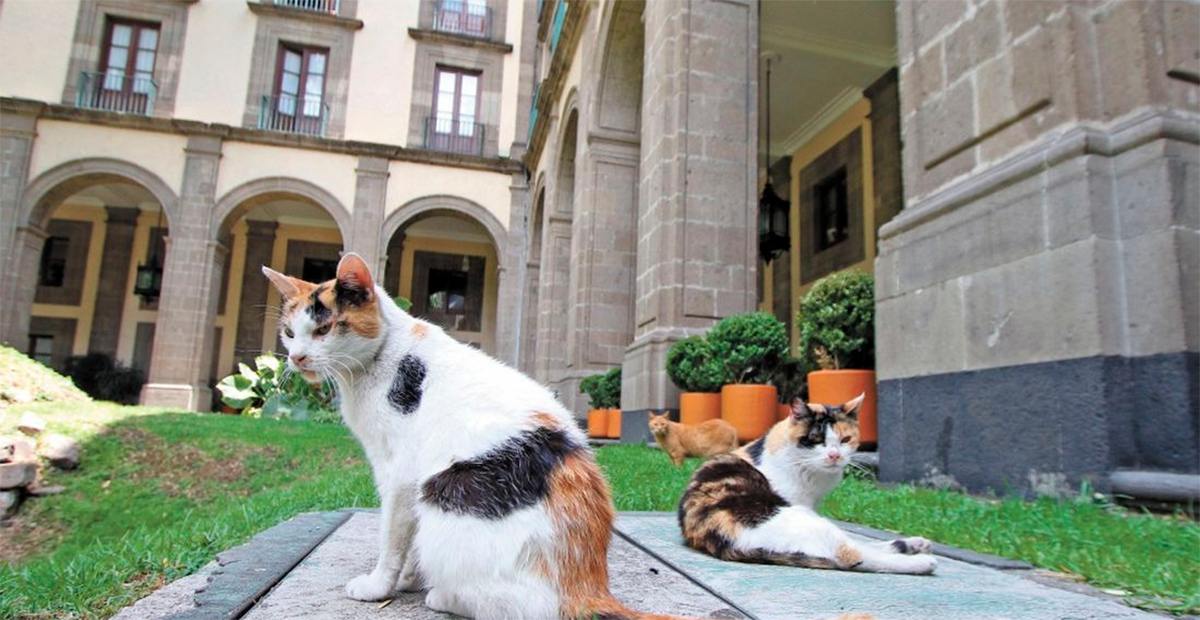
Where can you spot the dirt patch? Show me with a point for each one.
(182, 470)
(22, 536)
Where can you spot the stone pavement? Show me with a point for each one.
(298, 569)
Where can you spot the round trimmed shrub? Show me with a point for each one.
(837, 322)
(691, 366)
(748, 347)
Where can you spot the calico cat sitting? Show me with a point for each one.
(759, 504)
(706, 439)
(490, 497)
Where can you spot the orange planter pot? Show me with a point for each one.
(834, 387)
(614, 423)
(598, 423)
(699, 407)
(749, 408)
(783, 412)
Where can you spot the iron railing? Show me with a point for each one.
(116, 92)
(290, 114)
(462, 17)
(316, 6)
(451, 135)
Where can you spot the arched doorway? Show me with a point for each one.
(286, 224)
(88, 225)
(443, 256)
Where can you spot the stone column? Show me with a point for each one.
(114, 279)
(554, 280)
(260, 241)
(28, 251)
(696, 224)
(1038, 320)
(370, 200)
(512, 276)
(183, 334)
(17, 132)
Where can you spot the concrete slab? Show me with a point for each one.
(314, 589)
(958, 590)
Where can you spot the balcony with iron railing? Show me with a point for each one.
(307, 116)
(116, 92)
(451, 135)
(462, 18)
(328, 7)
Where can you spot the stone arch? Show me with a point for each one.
(413, 209)
(238, 201)
(617, 103)
(57, 184)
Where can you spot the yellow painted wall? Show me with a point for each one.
(242, 162)
(487, 336)
(857, 117)
(85, 312)
(215, 70)
(381, 80)
(283, 235)
(35, 47)
(409, 181)
(59, 142)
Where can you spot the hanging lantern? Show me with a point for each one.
(147, 284)
(773, 211)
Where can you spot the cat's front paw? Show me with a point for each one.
(922, 565)
(369, 587)
(912, 545)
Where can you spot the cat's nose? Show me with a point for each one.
(833, 455)
(298, 359)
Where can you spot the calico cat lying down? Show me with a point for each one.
(491, 499)
(759, 504)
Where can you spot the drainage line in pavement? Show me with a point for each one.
(671, 565)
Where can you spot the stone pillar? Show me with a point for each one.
(28, 251)
(260, 241)
(17, 132)
(114, 279)
(370, 200)
(696, 223)
(1038, 320)
(183, 334)
(512, 277)
(554, 281)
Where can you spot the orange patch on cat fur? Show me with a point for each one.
(419, 330)
(580, 509)
(845, 428)
(782, 433)
(362, 319)
(847, 556)
(545, 420)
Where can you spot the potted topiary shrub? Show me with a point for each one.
(790, 381)
(692, 368)
(749, 347)
(604, 394)
(837, 336)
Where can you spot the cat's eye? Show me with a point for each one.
(287, 331)
(845, 439)
(322, 330)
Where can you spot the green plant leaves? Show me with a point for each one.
(603, 389)
(749, 347)
(692, 366)
(837, 322)
(269, 391)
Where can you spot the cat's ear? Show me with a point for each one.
(851, 407)
(288, 286)
(354, 283)
(802, 410)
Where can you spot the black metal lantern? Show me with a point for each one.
(773, 211)
(148, 282)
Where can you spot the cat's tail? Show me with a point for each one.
(785, 558)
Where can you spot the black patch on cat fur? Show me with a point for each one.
(900, 546)
(405, 393)
(353, 295)
(745, 492)
(512, 476)
(318, 311)
(755, 450)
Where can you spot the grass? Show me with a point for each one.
(1153, 560)
(157, 496)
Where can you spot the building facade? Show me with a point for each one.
(215, 137)
(572, 185)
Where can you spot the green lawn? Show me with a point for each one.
(160, 493)
(1154, 559)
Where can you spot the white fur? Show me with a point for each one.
(471, 403)
(803, 477)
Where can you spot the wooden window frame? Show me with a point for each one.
(444, 140)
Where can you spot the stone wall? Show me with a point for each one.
(1037, 308)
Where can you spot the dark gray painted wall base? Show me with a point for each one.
(1044, 427)
(635, 424)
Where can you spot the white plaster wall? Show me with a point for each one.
(409, 181)
(59, 142)
(215, 69)
(35, 47)
(381, 72)
(511, 88)
(242, 163)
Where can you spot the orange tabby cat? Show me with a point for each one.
(706, 439)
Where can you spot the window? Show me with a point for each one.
(126, 79)
(468, 17)
(833, 212)
(41, 348)
(447, 291)
(54, 262)
(455, 110)
(317, 270)
(297, 105)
